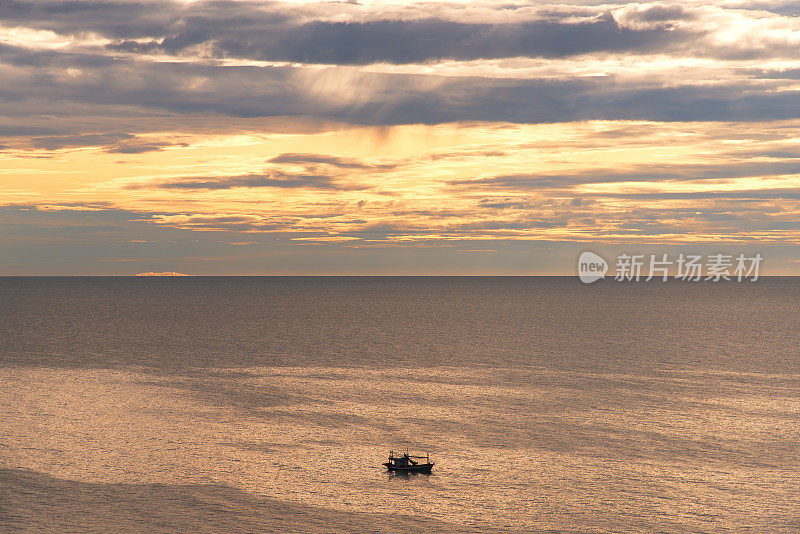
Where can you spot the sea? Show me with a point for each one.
(268, 404)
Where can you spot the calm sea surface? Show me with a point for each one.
(269, 404)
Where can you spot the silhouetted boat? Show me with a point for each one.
(407, 464)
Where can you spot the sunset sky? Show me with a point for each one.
(394, 137)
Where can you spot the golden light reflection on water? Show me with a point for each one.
(514, 448)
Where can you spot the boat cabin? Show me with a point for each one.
(409, 464)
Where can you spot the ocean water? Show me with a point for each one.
(269, 404)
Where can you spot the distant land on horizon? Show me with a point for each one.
(166, 273)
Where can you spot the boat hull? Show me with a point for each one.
(419, 468)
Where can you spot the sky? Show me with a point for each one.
(371, 137)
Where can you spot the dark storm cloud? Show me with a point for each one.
(422, 40)
(36, 83)
(273, 179)
(162, 86)
(24, 57)
(118, 19)
(268, 31)
(123, 89)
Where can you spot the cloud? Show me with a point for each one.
(340, 33)
(222, 222)
(134, 149)
(780, 193)
(73, 141)
(334, 161)
(654, 173)
(483, 120)
(512, 224)
(414, 41)
(139, 148)
(129, 92)
(362, 35)
(113, 143)
(467, 154)
(272, 179)
(504, 204)
(654, 13)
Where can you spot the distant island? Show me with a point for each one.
(167, 273)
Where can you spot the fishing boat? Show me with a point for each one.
(408, 464)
